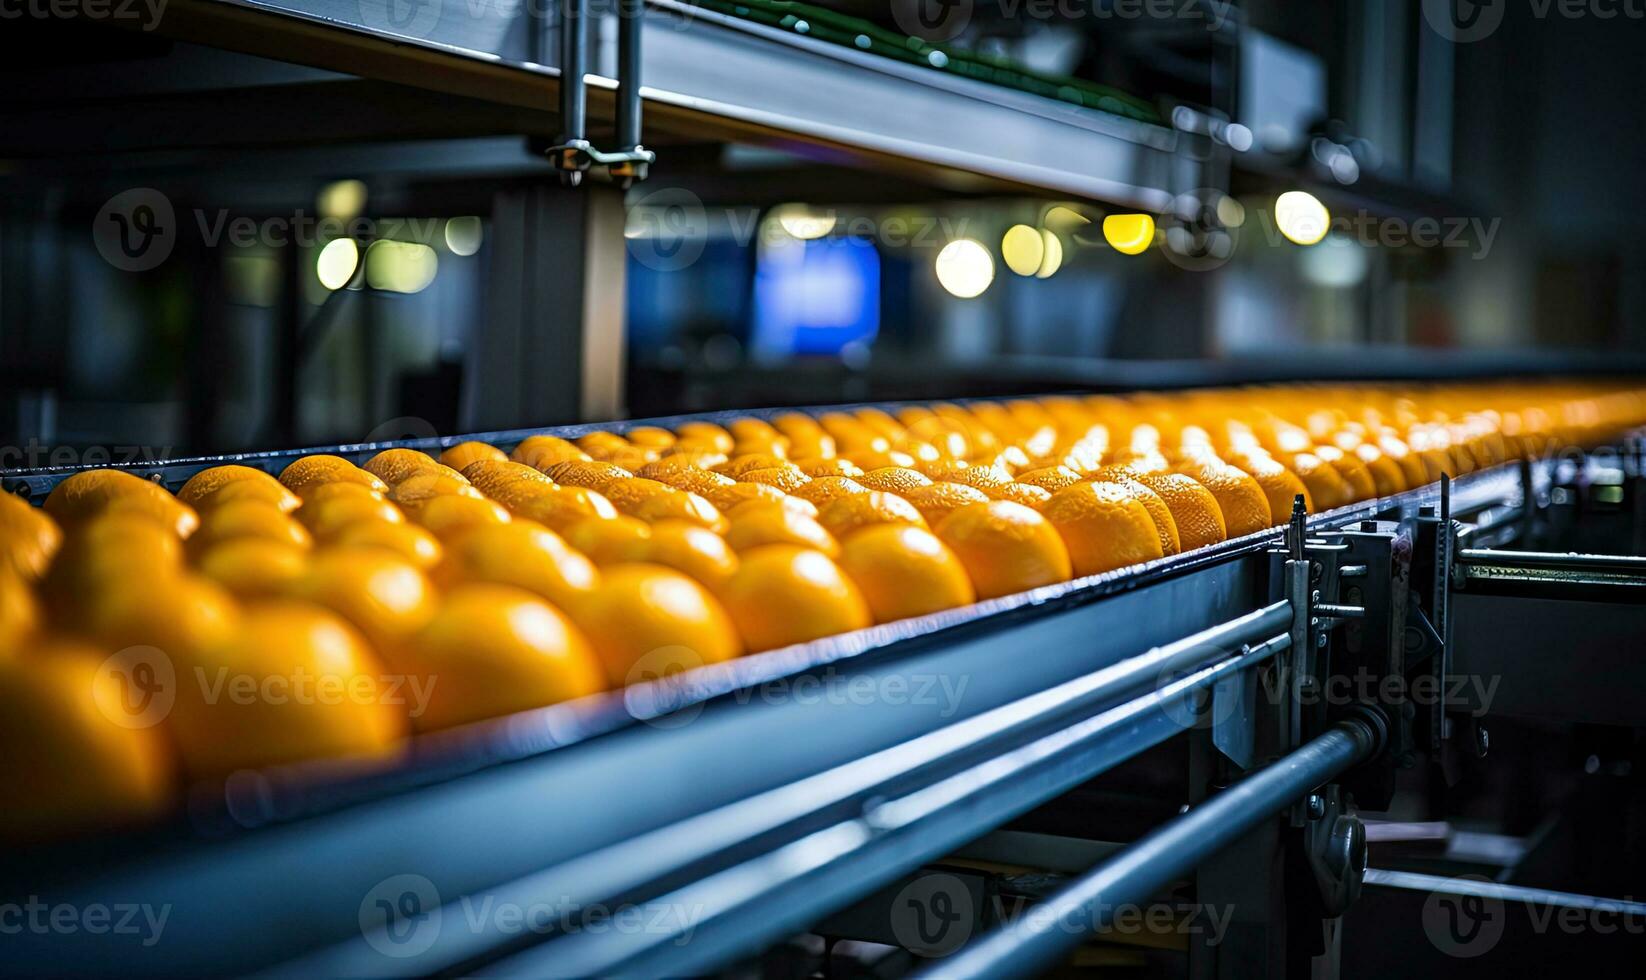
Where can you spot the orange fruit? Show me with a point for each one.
(271, 491)
(1159, 512)
(1104, 526)
(843, 515)
(905, 571)
(429, 484)
(309, 472)
(253, 567)
(92, 492)
(294, 682)
(783, 594)
(787, 479)
(894, 479)
(755, 526)
(1195, 512)
(1386, 473)
(727, 499)
(452, 514)
(692, 549)
(114, 546)
(490, 475)
(558, 508)
(646, 620)
(394, 465)
(610, 541)
(464, 453)
(650, 437)
(1050, 478)
(519, 554)
(594, 474)
(993, 481)
(1005, 547)
(248, 518)
(1279, 484)
(329, 491)
(202, 486)
(749, 462)
(1242, 500)
(181, 615)
(794, 505)
(384, 596)
(826, 488)
(706, 433)
(1027, 494)
(818, 467)
(29, 538)
(939, 500)
(496, 650)
(687, 477)
(874, 459)
(541, 452)
(1326, 486)
(1354, 472)
(20, 613)
(650, 500)
(407, 541)
(325, 518)
(71, 763)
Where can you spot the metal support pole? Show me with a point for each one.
(1035, 942)
(629, 13)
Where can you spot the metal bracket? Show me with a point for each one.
(574, 155)
(1334, 847)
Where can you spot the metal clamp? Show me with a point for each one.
(574, 154)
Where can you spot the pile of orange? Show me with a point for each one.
(255, 619)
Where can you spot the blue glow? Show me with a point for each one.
(815, 297)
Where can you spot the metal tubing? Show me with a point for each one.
(573, 59)
(629, 14)
(1130, 878)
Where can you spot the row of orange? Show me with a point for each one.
(249, 621)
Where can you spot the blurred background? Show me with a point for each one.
(214, 238)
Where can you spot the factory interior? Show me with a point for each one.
(835, 489)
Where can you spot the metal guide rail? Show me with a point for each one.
(763, 794)
(711, 75)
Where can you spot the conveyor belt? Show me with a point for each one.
(535, 806)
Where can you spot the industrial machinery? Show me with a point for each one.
(1171, 765)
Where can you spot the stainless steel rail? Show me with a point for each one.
(1136, 873)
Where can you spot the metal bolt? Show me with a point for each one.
(1317, 806)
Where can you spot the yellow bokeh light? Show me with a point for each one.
(463, 235)
(400, 267)
(1129, 234)
(802, 222)
(1023, 250)
(965, 268)
(1054, 255)
(341, 199)
(336, 263)
(1301, 217)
